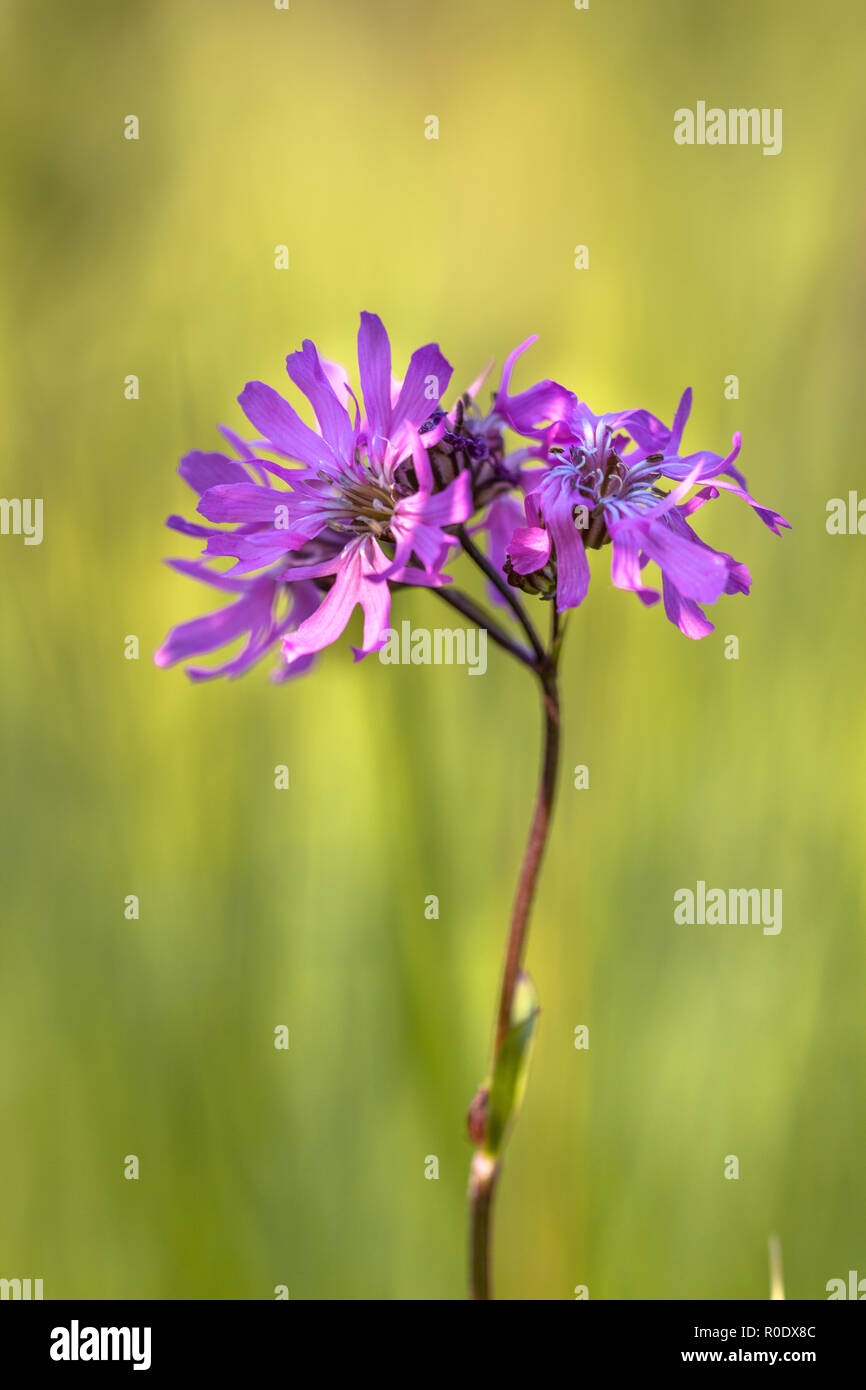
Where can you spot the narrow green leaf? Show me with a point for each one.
(512, 1066)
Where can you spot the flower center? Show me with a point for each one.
(362, 506)
(605, 487)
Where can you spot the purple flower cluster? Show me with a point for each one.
(318, 521)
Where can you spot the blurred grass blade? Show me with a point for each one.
(777, 1282)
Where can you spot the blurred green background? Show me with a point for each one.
(306, 907)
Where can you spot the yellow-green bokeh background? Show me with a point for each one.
(305, 907)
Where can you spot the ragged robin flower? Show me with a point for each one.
(602, 483)
(360, 490)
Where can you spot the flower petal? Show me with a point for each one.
(426, 382)
(696, 570)
(214, 630)
(625, 571)
(572, 565)
(772, 519)
(283, 427)
(529, 549)
(374, 366)
(533, 410)
(683, 612)
(203, 471)
(243, 502)
(308, 373)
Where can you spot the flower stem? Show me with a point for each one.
(486, 1166)
(498, 580)
(477, 615)
(482, 1186)
(532, 857)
